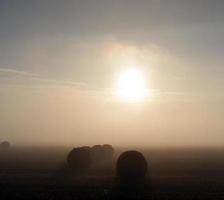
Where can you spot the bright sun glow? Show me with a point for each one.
(131, 85)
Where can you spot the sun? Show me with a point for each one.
(131, 85)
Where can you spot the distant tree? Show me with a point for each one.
(131, 165)
(108, 151)
(79, 159)
(5, 145)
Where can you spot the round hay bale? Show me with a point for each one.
(5, 145)
(79, 159)
(131, 165)
(97, 152)
(87, 148)
(108, 151)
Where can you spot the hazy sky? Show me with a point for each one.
(60, 61)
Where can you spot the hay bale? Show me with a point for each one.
(131, 165)
(97, 153)
(5, 145)
(79, 159)
(108, 151)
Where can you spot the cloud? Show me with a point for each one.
(17, 72)
(36, 77)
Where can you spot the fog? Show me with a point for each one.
(62, 115)
(60, 62)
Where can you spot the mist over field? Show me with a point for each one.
(111, 99)
(60, 64)
(64, 115)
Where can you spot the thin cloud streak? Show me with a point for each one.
(18, 72)
(39, 78)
